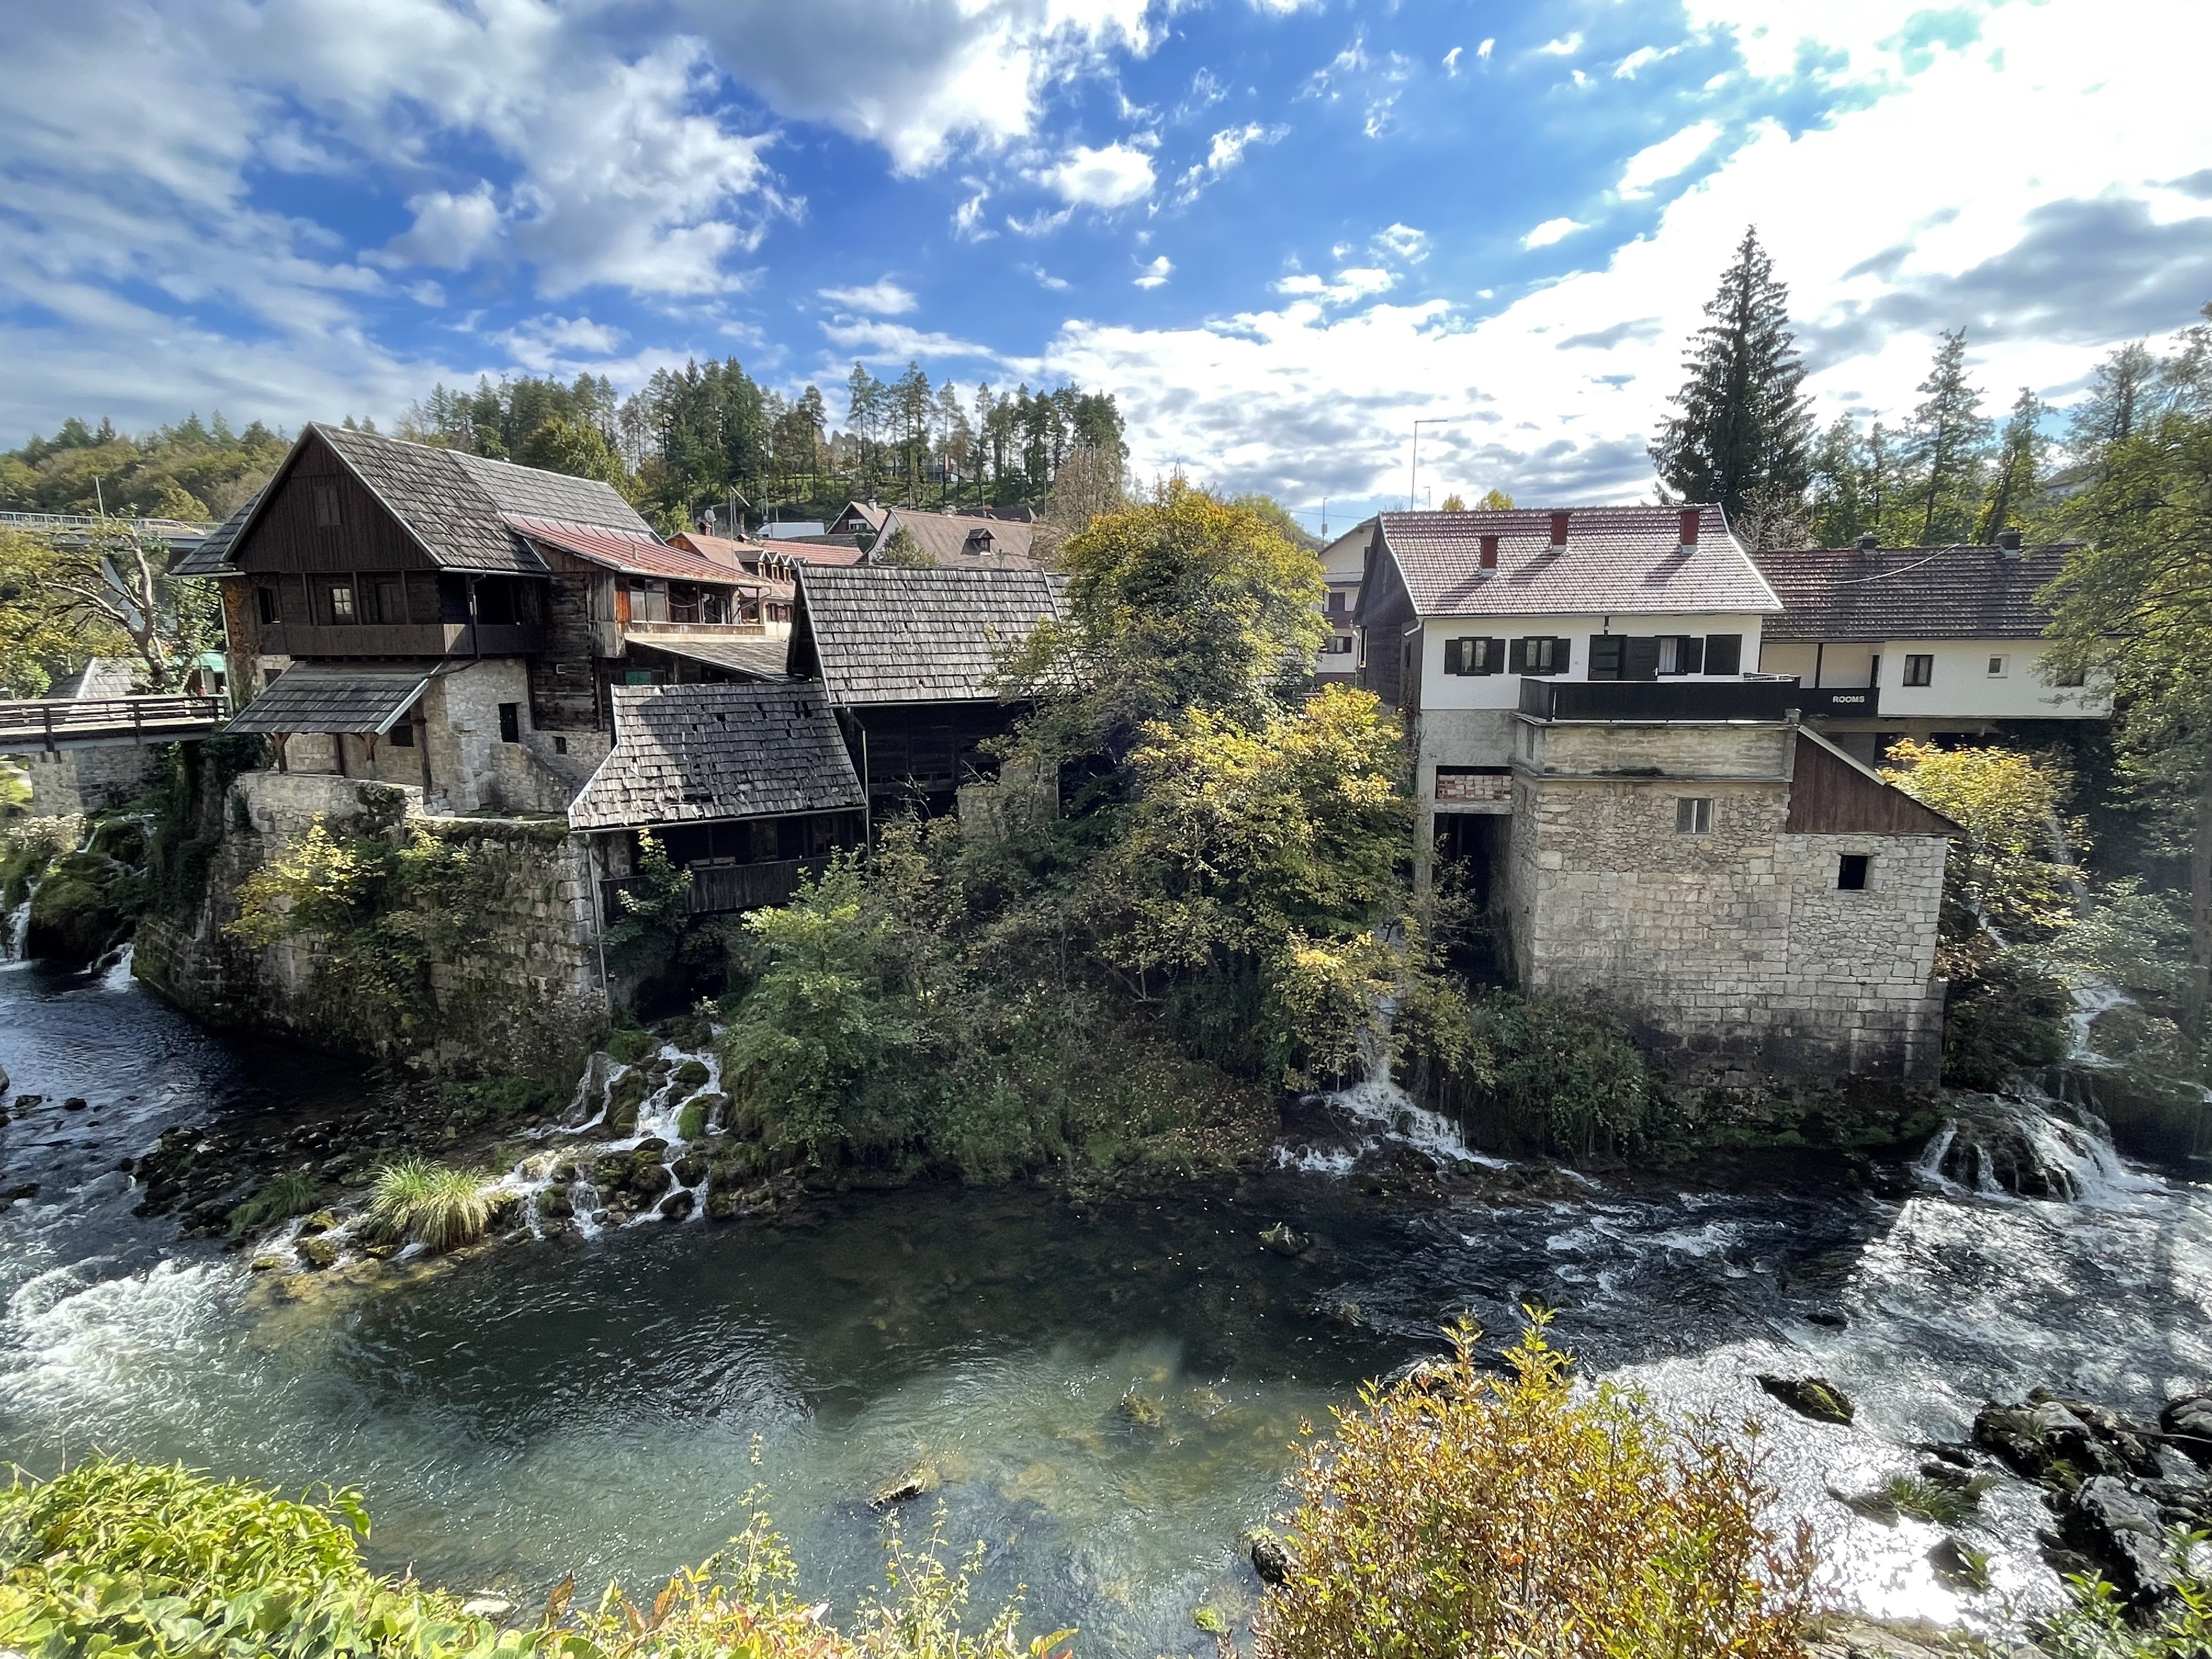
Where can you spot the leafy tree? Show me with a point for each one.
(1741, 419)
(1495, 501)
(1946, 451)
(562, 444)
(2020, 468)
(2009, 870)
(1453, 503)
(901, 550)
(194, 469)
(2134, 603)
(109, 595)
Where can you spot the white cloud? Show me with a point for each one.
(549, 343)
(1156, 273)
(1352, 284)
(450, 232)
(968, 218)
(1400, 242)
(919, 78)
(884, 297)
(1484, 51)
(878, 341)
(1227, 150)
(1451, 60)
(1111, 176)
(2050, 238)
(1550, 231)
(1642, 57)
(1665, 159)
(1046, 280)
(1040, 223)
(1566, 46)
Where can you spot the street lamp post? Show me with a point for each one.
(1414, 475)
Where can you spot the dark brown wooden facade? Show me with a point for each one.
(1830, 796)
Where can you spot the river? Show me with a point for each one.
(604, 1406)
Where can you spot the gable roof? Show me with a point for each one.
(1911, 593)
(454, 505)
(1617, 559)
(211, 557)
(634, 554)
(1831, 794)
(879, 633)
(956, 540)
(700, 754)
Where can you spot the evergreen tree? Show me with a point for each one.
(1946, 450)
(1742, 421)
(2124, 391)
(2019, 473)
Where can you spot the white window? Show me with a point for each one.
(1693, 815)
(1996, 668)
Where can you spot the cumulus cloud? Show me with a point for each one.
(1663, 160)
(1402, 242)
(550, 342)
(884, 297)
(1156, 273)
(1550, 231)
(450, 232)
(877, 342)
(1112, 176)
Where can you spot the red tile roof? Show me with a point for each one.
(1627, 559)
(633, 555)
(826, 553)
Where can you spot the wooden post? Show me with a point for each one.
(422, 744)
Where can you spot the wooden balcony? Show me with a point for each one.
(1638, 700)
(649, 631)
(403, 640)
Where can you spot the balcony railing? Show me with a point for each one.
(1659, 700)
(403, 640)
(647, 631)
(1834, 701)
(717, 889)
(56, 723)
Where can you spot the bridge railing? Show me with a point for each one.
(48, 722)
(86, 522)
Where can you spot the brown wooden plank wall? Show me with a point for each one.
(1830, 797)
(285, 536)
(564, 695)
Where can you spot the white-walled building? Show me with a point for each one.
(1343, 563)
(1456, 609)
(1942, 640)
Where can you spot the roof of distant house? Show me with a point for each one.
(1959, 591)
(884, 634)
(703, 754)
(1625, 559)
(744, 556)
(819, 549)
(958, 541)
(633, 555)
(455, 505)
(791, 529)
(102, 677)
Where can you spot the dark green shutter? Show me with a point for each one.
(1640, 661)
(1604, 656)
(1451, 656)
(1517, 656)
(1723, 653)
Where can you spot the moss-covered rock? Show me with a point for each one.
(85, 902)
(630, 1045)
(1810, 1396)
(627, 1094)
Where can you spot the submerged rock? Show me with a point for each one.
(2120, 1529)
(1809, 1396)
(1282, 1241)
(1141, 1411)
(318, 1252)
(917, 1482)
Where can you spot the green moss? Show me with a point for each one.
(623, 1099)
(630, 1044)
(692, 1123)
(85, 902)
(507, 1099)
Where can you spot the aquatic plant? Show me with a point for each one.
(117, 1557)
(1936, 1501)
(1466, 1512)
(443, 1209)
(283, 1195)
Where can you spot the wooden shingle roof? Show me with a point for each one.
(704, 753)
(211, 557)
(874, 634)
(317, 696)
(957, 541)
(1957, 593)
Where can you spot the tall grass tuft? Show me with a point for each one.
(440, 1209)
(283, 1195)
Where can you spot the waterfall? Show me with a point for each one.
(19, 928)
(1379, 1112)
(2029, 1146)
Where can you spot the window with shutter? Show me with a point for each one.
(1723, 653)
(1605, 657)
(1640, 661)
(1920, 670)
(1490, 655)
(1691, 655)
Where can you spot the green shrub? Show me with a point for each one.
(283, 1195)
(1467, 1513)
(117, 1558)
(1536, 1072)
(2102, 1624)
(2004, 1019)
(440, 1209)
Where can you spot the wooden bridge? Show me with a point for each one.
(54, 724)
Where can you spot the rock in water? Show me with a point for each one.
(917, 1482)
(2120, 1529)
(1282, 1241)
(1271, 1557)
(2060, 1442)
(319, 1251)
(1958, 1566)
(1809, 1396)
(1140, 1411)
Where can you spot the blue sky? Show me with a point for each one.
(1280, 231)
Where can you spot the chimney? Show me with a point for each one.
(1490, 552)
(1559, 529)
(1869, 542)
(1690, 517)
(2008, 544)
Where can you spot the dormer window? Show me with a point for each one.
(979, 543)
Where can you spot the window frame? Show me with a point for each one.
(1693, 815)
(1853, 872)
(329, 513)
(344, 612)
(1730, 646)
(510, 722)
(1999, 666)
(1919, 670)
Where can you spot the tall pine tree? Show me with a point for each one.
(1742, 422)
(2019, 471)
(1946, 450)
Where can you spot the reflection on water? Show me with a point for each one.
(599, 1406)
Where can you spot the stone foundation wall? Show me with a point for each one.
(526, 993)
(88, 780)
(1731, 951)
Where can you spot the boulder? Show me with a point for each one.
(319, 1252)
(86, 901)
(2047, 1441)
(1282, 1241)
(554, 1204)
(676, 1205)
(2190, 1420)
(1959, 1566)
(321, 1222)
(2119, 1529)
(1271, 1557)
(917, 1482)
(1141, 1412)
(1809, 1396)
(75, 1103)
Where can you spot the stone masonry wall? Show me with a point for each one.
(1732, 950)
(526, 991)
(88, 780)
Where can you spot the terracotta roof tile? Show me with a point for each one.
(1628, 559)
(636, 555)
